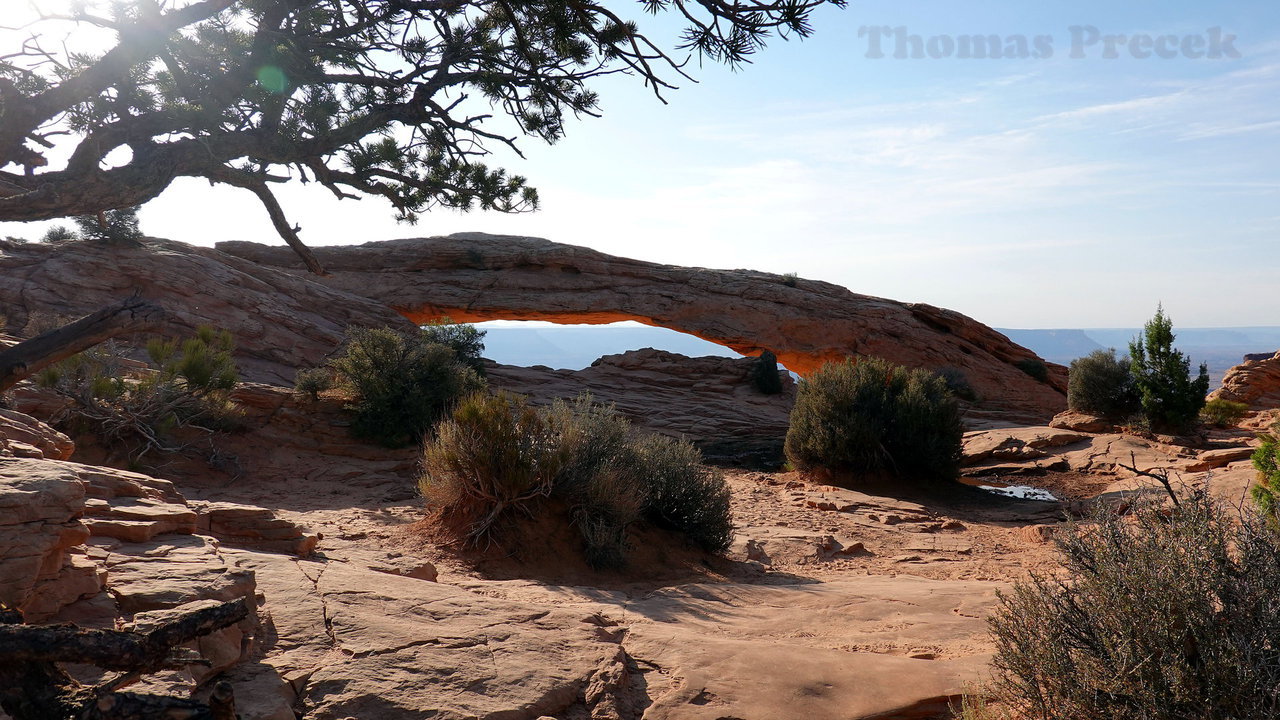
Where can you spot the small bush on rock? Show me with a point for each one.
(136, 406)
(399, 384)
(875, 417)
(1169, 614)
(58, 234)
(111, 227)
(496, 457)
(958, 383)
(1034, 369)
(313, 381)
(1102, 384)
(1223, 413)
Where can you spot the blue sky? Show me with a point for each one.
(1054, 192)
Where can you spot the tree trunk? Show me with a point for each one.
(34, 687)
(31, 356)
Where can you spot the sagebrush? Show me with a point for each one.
(1167, 614)
(497, 459)
(494, 454)
(1223, 413)
(872, 416)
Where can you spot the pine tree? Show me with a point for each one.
(400, 99)
(1171, 399)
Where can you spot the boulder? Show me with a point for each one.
(711, 401)
(24, 436)
(1219, 458)
(40, 507)
(252, 526)
(1016, 444)
(1082, 422)
(1255, 382)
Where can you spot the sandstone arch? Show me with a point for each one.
(472, 277)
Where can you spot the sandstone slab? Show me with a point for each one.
(711, 401)
(1082, 422)
(24, 436)
(40, 507)
(172, 570)
(361, 643)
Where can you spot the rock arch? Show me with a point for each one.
(473, 277)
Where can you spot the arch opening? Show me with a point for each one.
(574, 346)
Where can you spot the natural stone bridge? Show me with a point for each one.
(473, 277)
(285, 319)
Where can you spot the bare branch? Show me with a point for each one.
(31, 356)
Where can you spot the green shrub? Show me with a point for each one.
(790, 279)
(112, 226)
(597, 477)
(1171, 399)
(1102, 384)
(496, 457)
(1033, 368)
(1169, 614)
(764, 374)
(1222, 413)
(203, 364)
(958, 383)
(590, 437)
(683, 494)
(1266, 492)
(603, 511)
(59, 233)
(399, 385)
(312, 382)
(875, 417)
(466, 341)
(187, 383)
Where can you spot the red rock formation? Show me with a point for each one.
(708, 400)
(472, 277)
(1255, 382)
(285, 319)
(280, 322)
